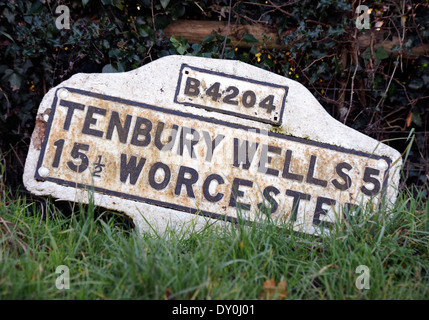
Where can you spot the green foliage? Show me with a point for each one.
(211, 47)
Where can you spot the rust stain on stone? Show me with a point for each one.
(39, 131)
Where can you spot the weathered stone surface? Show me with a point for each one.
(186, 139)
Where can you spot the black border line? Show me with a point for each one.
(186, 115)
(232, 113)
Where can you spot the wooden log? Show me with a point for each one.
(196, 30)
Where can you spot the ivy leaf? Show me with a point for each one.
(417, 119)
(366, 54)
(181, 49)
(161, 22)
(121, 67)
(114, 53)
(106, 44)
(35, 8)
(174, 41)
(380, 54)
(335, 32)
(196, 47)
(108, 68)
(249, 38)
(181, 46)
(230, 54)
(15, 81)
(321, 69)
(13, 78)
(164, 3)
(208, 39)
(318, 54)
(145, 31)
(120, 6)
(177, 11)
(9, 15)
(28, 64)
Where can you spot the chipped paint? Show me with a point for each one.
(39, 130)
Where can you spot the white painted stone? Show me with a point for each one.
(156, 84)
(44, 172)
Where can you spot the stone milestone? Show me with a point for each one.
(186, 140)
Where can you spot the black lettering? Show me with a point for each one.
(244, 153)
(249, 103)
(265, 159)
(171, 138)
(310, 174)
(192, 87)
(131, 168)
(59, 144)
(72, 106)
(189, 143)
(167, 175)
(188, 182)
(367, 177)
(297, 197)
(211, 144)
(268, 104)
(90, 120)
(273, 203)
(228, 98)
(347, 180)
(286, 173)
(77, 154)
(115, 122)
(236, 192)
(319, 210)
(142, 127)
(213, 91)
(98, 167)
(206, 186)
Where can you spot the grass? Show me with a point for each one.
(107, 259)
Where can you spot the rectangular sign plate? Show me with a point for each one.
(201, 165)
(216, 91)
